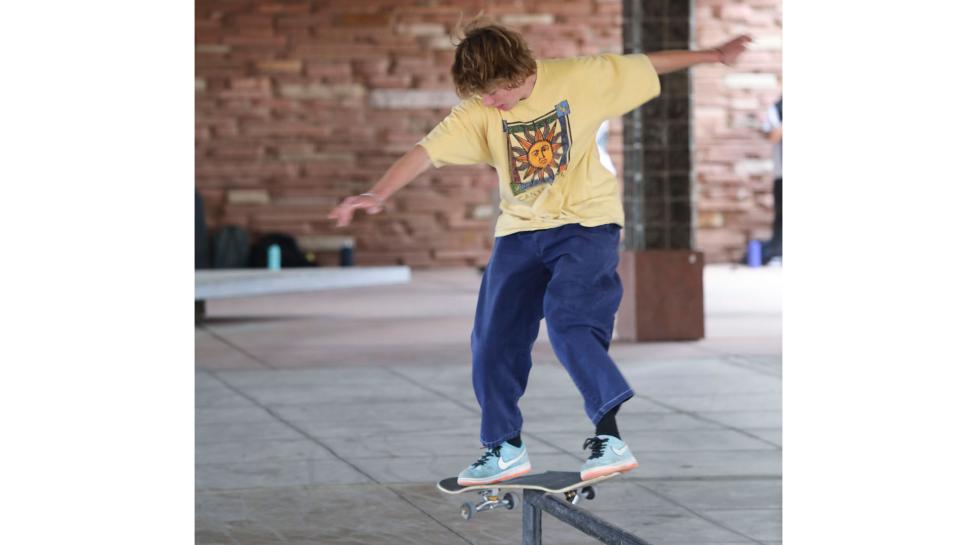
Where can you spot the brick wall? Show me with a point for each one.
(299, 104)
(734, 173)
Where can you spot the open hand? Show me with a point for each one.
(731, 50)
(343, 214)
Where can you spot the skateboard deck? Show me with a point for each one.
(553, 482)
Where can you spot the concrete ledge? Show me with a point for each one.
(228, 283)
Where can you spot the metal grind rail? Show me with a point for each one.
(536, 501)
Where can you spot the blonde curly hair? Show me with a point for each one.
(488, 57)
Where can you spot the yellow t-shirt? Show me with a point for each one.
(545, 149)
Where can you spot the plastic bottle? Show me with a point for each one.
(274, 258)
(754, 253)
(346, 254)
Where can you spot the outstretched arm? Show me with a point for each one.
(671, 61)
(411, 165)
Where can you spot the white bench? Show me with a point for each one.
(228, 283)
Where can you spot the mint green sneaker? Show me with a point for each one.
(498, 464)
(608, 454)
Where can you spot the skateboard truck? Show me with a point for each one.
(491, 499)
(573, 496)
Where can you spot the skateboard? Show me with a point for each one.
(494, 496)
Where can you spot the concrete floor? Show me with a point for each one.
(328, 417)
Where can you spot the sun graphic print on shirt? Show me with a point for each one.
(539, 150)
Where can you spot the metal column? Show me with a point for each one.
(659, 191)
(532, 518)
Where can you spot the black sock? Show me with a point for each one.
(515, 441)
(608, 424)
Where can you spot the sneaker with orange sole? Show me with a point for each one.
(608, 455)
(497, 464)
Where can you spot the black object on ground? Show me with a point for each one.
(231, 245)
(292, 256)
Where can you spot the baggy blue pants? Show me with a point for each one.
(568, 275)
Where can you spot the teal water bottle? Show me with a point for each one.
(274, 258)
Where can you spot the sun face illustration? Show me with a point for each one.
(539, 150)
(540, 153)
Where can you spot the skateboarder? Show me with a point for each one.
(557, 238)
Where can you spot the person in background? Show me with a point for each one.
(603, 135)
(772, 128)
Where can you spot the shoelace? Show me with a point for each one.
(596, 446)
(490, 453)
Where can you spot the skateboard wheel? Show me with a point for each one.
(467, 510)
(511, 500)
(589, 492)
